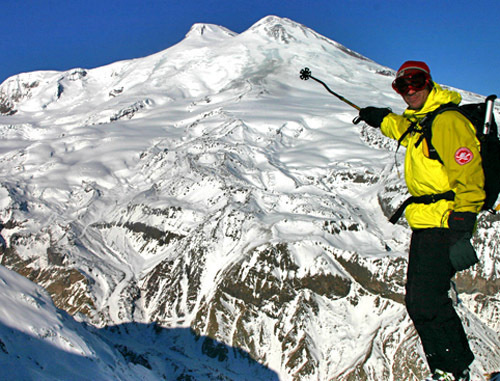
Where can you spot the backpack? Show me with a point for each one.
(490, 144)
(490, 151)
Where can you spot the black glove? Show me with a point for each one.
(462, 254)
(373, 115)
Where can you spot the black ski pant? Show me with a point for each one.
(429, 305)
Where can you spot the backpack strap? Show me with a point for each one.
(409, 130)
(425, 199)
(426, 124)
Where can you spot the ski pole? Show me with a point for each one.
(489, 114)
(305, 74)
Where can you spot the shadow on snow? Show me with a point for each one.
(131, 351)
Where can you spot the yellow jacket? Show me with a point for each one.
(454, 139)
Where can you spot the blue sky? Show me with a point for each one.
(459, 39)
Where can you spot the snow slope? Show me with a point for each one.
(207, 192)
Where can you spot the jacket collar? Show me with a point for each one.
(437, 97)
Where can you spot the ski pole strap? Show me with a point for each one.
(426, 199)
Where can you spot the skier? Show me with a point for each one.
(441, 230)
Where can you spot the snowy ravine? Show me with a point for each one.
(202, 214)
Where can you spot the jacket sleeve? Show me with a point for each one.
(454, 139)
(394, 126)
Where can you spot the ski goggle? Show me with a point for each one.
(415, 81)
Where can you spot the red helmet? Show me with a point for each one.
(412, 75)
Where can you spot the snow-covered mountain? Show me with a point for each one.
(202, 213)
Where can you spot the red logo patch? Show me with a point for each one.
(463, 156)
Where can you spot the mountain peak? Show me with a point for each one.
(273, 20)
(211, 30)
(278, 28)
